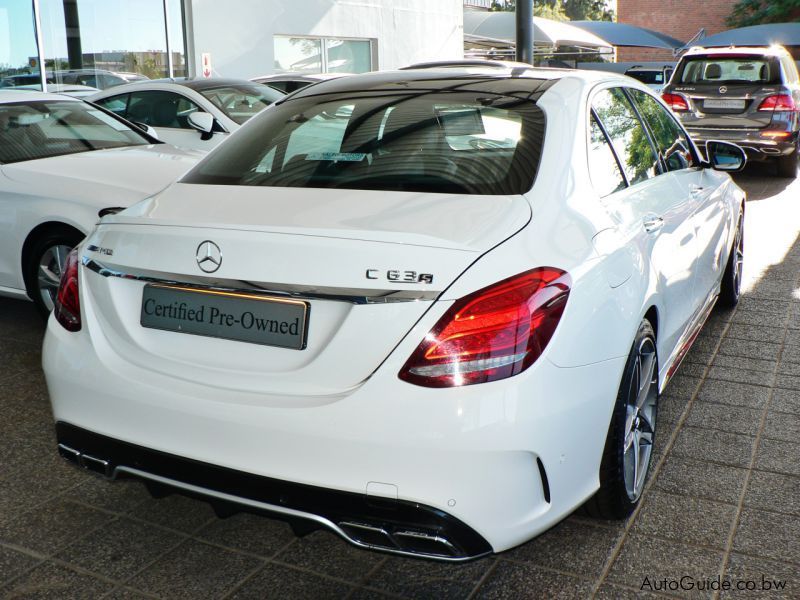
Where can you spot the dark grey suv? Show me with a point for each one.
(746, 95)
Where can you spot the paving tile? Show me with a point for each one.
(427, 579)
(774, 492)
(328, 554)
(119, 549)
(51, 526)
(757, 333)
(774, 455)
(195, 570)
(787, 401)
(782, 426)
(792, 338)
(738, 375)
(734, 419)
(55, 582)
(789, 382)
(122, 593)
(645, 563)
(767, 534)
(701, 479)
(176, 512)
(280, 582)
(760, 318)
(369, 594)
(791, 355)
(609, 591)
(13, 564)
(715, 446)
(121, 495)
(750, 349)
(250, 533)
(686, 519)
(761, 578)
(682, 385)
(512, 581)
(692, 370)
(572, 545)
(747, 363)
(670, 409)
(735, 394)
(17, 357)
(779, 307)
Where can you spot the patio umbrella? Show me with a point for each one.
(502, 26)
(786, 34)
(622, 34)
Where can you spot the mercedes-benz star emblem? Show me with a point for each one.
(723, 90)
(209, 256)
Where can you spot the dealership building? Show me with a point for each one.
(172, 38)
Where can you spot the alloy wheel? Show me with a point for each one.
(640, 419)
(51, 265)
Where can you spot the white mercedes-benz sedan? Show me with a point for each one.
(62, 161)
(431, 310)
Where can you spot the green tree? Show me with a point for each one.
(755, 12)
(563, 10)
(547, 9)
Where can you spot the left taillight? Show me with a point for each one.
(67, 308)
(493, 333)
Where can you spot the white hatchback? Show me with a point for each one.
(431, 310)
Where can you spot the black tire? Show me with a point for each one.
(620, 490)
(787, 165)
(39, 278)
(730, 288)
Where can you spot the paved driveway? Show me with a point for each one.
(723, 499)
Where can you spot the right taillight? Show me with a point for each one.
(676, 102)
(67, 308)
(778, 102)
(493, 333)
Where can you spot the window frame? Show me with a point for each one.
(323, 41)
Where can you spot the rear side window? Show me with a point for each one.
(628, 137)
(160, 109)
(670, 140)
(603, 167)
(406, 140)
(731, 69)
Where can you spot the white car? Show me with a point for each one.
(189, 113)
(429, 310)
(61, 161)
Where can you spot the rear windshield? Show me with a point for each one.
(651, 77)
(41, 129)
(413, 140)
(729, 69)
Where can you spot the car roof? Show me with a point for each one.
(299, 77)
(200, 83)
(754, 50)
(11, 95)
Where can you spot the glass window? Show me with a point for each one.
(161, 109)
(297, 54)
(670, 140)
(450, 142)
(19, 56)
(729, 68)
(241, 102)
(348, 56)
(628, 137)
(603, 166)
(33, 130)
(116, 104)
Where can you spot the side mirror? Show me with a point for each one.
(725, 156)
(146, 128)
(202, 121)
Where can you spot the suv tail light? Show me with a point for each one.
(778, 102)
(493, 333)
(67, 308)
(676, 102)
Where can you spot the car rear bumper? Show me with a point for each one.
(507, 460)
(756, 145)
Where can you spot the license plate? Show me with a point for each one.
(717, 103)
(243, 317)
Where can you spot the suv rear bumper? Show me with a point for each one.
(756, 146)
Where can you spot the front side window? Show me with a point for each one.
(33, 130)
(451, 142)
(603, 167)
(670, 140)
(161, 109)
(627, 134)
(116, 104)
(241, 102)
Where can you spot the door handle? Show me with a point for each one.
(652, 223)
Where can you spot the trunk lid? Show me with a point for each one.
(367, 264)
(735, 108)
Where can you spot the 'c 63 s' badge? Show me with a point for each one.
(209, 256)
(397, 276)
